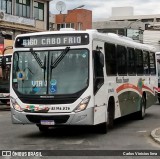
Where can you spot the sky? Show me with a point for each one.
(102, 9)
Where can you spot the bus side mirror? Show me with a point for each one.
(100, 57)
(3, 64)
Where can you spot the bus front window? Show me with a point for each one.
(33, 74)
(71, 74)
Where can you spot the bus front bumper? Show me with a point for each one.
(85, 117)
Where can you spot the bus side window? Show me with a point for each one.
(110, 59)
(131, 61)
(122, 60)
(98, 70)
(146, 62)
(152, 63)
(139, 62)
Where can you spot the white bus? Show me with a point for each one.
(5, 79)
(80, 78)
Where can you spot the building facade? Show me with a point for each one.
(23, 16)
(79, 19)
(129, 25)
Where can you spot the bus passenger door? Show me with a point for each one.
(99, 89)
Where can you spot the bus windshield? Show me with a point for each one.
(34, 74)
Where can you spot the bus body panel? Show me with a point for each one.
(81, 118)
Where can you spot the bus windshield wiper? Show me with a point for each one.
(40, 63)
(44, 67)
(58, 60)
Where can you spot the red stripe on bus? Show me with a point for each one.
(145, 87)
(126, 86)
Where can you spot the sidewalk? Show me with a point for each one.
(155, 134)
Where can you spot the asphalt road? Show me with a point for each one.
(128, 134)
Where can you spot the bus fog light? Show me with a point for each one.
(83, 104)
(15, 105)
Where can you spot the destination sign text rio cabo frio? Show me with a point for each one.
(52, 40)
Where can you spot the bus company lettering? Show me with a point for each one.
(64, 40)
(122, 80)
(52, 41)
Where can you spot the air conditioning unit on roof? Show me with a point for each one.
(2, 14)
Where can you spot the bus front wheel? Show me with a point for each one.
(110, 118)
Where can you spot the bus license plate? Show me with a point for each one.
(47, 122)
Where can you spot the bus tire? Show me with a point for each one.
(43, 128)
(110, 117)
(110, 113)
(141, 114)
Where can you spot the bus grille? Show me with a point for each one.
(57, 119)
(48, 101)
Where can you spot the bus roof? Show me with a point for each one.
(106, 37)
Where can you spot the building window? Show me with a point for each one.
(39, 11)
(79, 26)
(23, 8)
(65, 25)
(158, 19)
(6, 5)
(147, 20)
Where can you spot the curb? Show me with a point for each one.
(155, 137)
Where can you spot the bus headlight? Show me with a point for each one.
(16, 106)
(83, 104)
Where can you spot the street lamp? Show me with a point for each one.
(81, 6)
(134, 35)
(129, 25)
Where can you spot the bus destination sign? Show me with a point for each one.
(52, 40)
